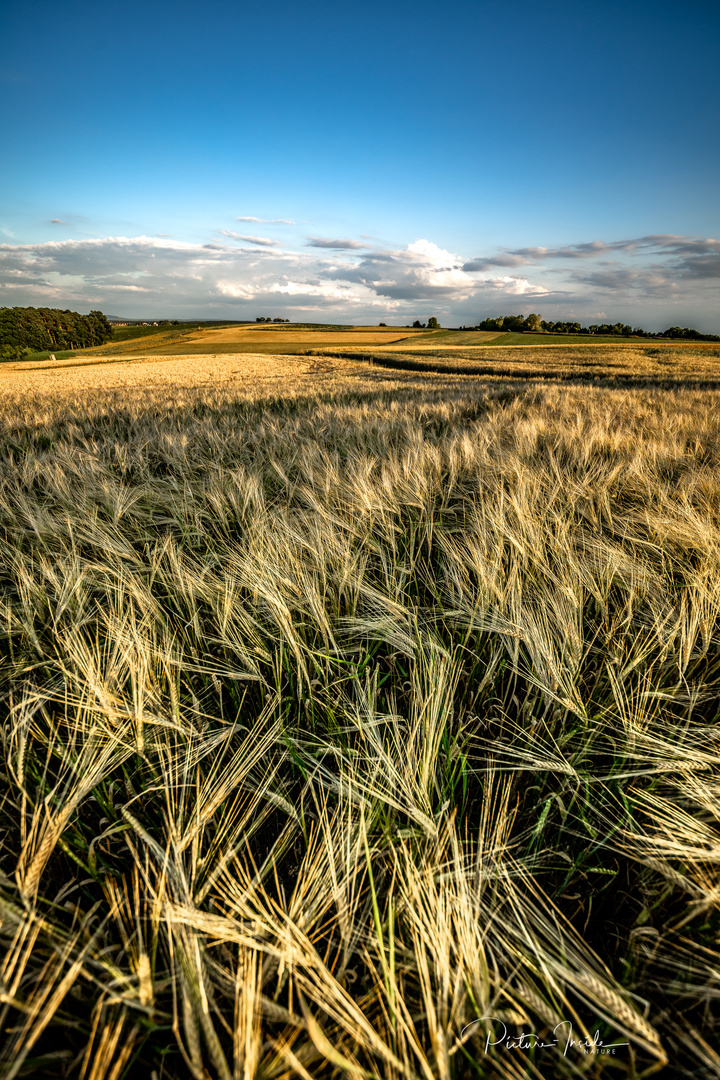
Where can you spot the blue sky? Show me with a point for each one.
(365, 162)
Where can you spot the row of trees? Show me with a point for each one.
(519, 324)
(683, 332)
(516, 324)
(38, 329)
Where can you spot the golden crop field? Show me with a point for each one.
(348, 706)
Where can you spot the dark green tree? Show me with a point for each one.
(39, 329)
(101, 327)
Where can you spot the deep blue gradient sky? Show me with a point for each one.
(474, 158)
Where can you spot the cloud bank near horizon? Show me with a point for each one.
(649, 279)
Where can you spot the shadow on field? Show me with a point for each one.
(531, 375)
(115, 413)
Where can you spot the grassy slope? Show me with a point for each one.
(334, 724)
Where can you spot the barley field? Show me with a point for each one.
(358, 722)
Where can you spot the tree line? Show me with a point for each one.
(32, 329)
(533, 323)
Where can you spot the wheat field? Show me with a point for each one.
(353, 718)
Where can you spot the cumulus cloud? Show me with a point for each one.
(515, 286)
(57, 221)
(420, 271)
(424, 271)
(320, 289)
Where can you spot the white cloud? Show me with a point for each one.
(236, 290)
(431, 254)
(344, 293)
(515, 286)
(424, 272)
